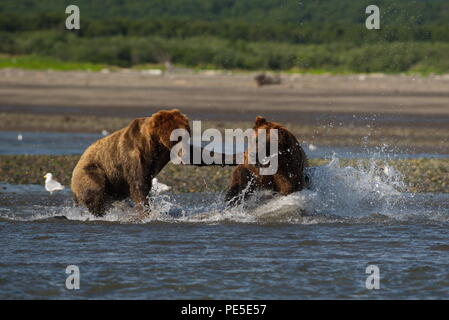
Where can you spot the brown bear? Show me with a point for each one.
(288, 178)
(263, 79)
(124, 163)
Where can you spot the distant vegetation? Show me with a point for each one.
(45, 63)
(234, 34)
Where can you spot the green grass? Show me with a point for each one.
(34, 62)
(40, 62)
(66, 51)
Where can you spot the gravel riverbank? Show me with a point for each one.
(420, 175)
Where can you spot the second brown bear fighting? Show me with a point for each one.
(289, 177)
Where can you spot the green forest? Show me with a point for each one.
(305, 35)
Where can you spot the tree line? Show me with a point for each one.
(234, 34)
(178, 27)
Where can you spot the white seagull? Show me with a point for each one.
(52, 185)
(159, 187)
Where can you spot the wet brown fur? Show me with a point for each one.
(124, 163)
(289, 177)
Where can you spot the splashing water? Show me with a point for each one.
(348, 190)
(337, 194)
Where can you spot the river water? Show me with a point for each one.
(315, 244)
(68, 143)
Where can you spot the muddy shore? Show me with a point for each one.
(232, 96)
(409, 113)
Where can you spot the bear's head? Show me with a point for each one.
(285, 138)
(265, 140)
(262, 125)
(278, 142)
(164, 122)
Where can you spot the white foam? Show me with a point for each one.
(336, 194)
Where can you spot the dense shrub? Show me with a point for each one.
(242, 34)
(127, 51)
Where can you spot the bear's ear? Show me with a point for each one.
(159, 116)
(260, 121)
(177, 114)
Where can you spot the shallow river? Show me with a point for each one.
(67, 143)
(313, 244)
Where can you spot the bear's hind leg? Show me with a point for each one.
(90, 190)
(95, 201)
